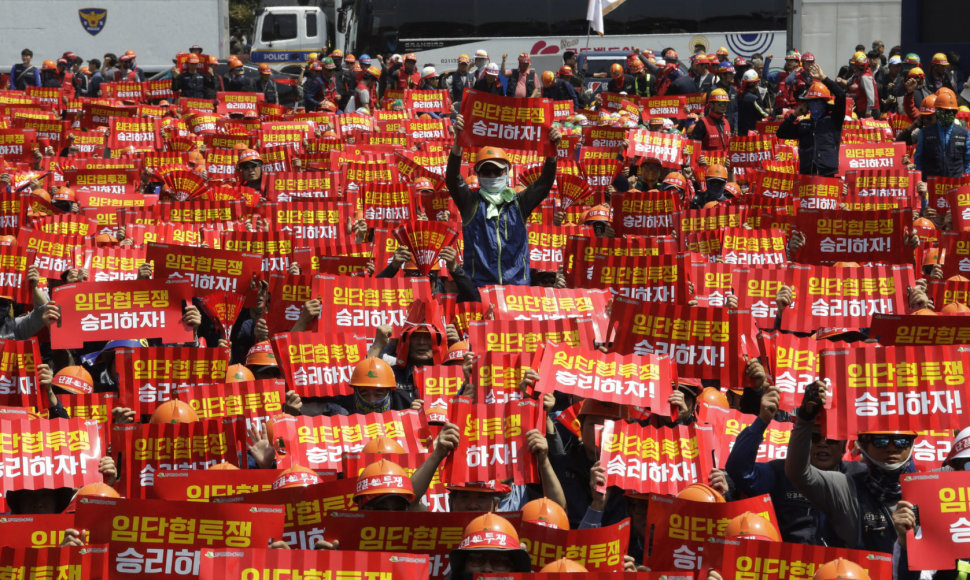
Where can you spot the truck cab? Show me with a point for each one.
(286, 35)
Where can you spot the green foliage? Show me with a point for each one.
(241, 14)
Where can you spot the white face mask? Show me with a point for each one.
(493, 184)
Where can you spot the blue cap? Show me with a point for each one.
(95, 357)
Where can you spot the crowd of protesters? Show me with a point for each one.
(826, 492)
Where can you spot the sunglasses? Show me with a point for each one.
(883, 441)
(245, 166)
(490, 170)
(817, 438)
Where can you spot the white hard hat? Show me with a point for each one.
(491, 69)
(961, 447)
(661, 62)
(750, 76)
(895, 59)
(396, 58)
(428, 71)
(481, 53)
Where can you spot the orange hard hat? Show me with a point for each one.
(74, 379)
(192, 59)
(297, 476)
(931, 257)
(383, 478)
(213, 60)
(946, 99)
(545, 512)
(636, 66)
(8, 241)
(49, 65)
(97, 489)
(489, 154)
(64, 194)
(840, 568)
(423, 184)
(616, 71)
(564, 565)
(711, 204)
(233, 62)
(928, 106)
(676, 179)
(732, 189)
(456, 352)
(701, 492)
(471, 181)
(548, 77)
(383, 444)
(925, 312)
(751, 526)
(223, 466)
(373, 373)
(817, 90)
(261, 355)
(955, 308)
(597, 213)
(239, 373)
(923, 223)
(42, 193)
(249, 155)
(264, 69)
(105, 239)
(958, 278)
(716, 171)
(374, 71)
(174, 412)
(846, 264)
(714, 396)
(490, 532)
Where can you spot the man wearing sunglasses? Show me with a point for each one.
(799, 521)
(859, 506)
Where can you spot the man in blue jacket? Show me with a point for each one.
(820, 132)
(799, 520)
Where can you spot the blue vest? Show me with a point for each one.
(497, 250)
(948, 163)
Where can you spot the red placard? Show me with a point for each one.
(35, 530)
(41, 453)
(682, 527)
(642, 381)
(751, 151)
(871, 156)
(517, 336)
(656, 460)
(859, 236)
(203, 485)
(318, 364)
(130, 309)
(436, 101)
(13, 273)
(138, 133)
(546, 243)
(507, 122)
(111, 263)
(383, 203)
(943, 530)
(294, 185)
(207, 269)
(917, 330)
(319, 442)
(162, 539)
(597, 549)
(147, 448)
(19, 385)
(581, 252)
(520, 302)
(266, 563)
(493, 442)
(437, 385)
(741, 246)
(256, 400)
(238, 103)
(605, 137)
(17, 145)
(395, 532)
(148, 376)
(353, 302)
(728, 424)
(894, 388)
(792, 361)
(427, 129)
(667, 107)
(771, 560)
(645, 213)
(309, 220)
(847, 297)
(937, 189)
(600, 173)
(87, 562)
(706, 342)
(668, 148)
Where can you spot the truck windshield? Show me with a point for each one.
(278, 27)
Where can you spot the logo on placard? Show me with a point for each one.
(93, 19)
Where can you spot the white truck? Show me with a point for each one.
(156, 30)
(831, 29)
(288, 34)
